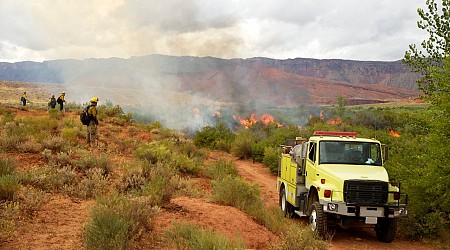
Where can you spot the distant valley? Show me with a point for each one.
(167, 86)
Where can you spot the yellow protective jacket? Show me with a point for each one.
(92, 112)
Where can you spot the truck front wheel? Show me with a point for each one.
(318, 220)
(386, 229)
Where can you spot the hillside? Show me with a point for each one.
(255, 81)
(57, 221)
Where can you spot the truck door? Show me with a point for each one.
(311, 163)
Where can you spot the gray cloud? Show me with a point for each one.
(349, 29)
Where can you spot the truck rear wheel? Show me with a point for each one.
(386, 229)
(286, 207)
(318, 220)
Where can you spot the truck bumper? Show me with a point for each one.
(342, 208)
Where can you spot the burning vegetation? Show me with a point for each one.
(393, 133)
(253, 119)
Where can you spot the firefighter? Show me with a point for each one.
(24, 99)
(61, 100)
(92, 135)
(52, 102)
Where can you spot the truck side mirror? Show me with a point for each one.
(385, 149)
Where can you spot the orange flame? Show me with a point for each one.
(264, 119)
(216, 114)
(267, 118)
(393, 133)
(335, 121)
(247, 122)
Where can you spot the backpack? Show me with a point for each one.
(59, 101)
(84, 116)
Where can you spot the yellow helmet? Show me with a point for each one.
(63, 93)
(94, 99)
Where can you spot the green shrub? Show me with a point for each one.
(9, 211)
(117, 222)
(7, 116)
(34, 125)
(185, 165)
(234, 191)
(131, 182)
(223, 144)
(11, 142)
(59, 159)
(222, 168)
(55, 113)
(55, 143)
(7, 229)
(72, 106)
(49, 178)
(70, 134)
(31, 201)
(153, 152)
(160, 185)
(7, 166)
(242, 145)
(189, 187)
(270, 159)
(9, 185)
(188, 236)
(214, 137)
(93, 185)
(187, 147)
(29, 147)
(90, 161)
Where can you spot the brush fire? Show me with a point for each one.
(253, 119)
(393, 133)
(335, 121)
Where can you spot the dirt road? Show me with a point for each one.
(343, 239)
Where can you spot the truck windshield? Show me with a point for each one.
(343, 152)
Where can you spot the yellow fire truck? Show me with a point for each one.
(338, 179)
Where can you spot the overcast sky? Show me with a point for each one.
(375, 30)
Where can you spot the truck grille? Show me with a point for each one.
(365, 193)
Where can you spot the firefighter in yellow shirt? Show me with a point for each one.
(24, 99)
(92, 135)
(61, 100)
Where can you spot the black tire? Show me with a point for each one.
(318, 220)
(286, 207)
(386, 229)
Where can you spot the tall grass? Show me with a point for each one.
(49, 178)
(222, 168)
(116, 222)
(7, 166)
(297, 237)
(242, 145)
(89, 161)
(234, 191)
(188, 236)
(9, 184)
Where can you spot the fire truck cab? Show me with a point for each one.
(338, 179)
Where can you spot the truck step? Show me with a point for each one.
(299, 213)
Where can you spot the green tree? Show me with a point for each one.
(437, 47)
(342, 105)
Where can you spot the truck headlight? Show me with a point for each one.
(332, 207)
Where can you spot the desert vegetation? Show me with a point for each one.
(127, 195)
